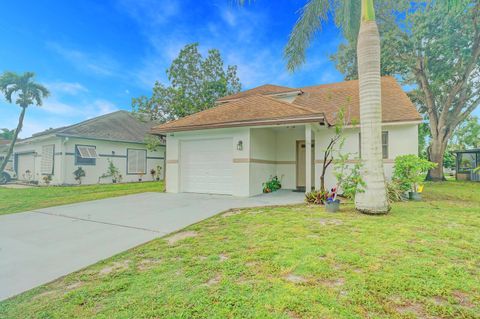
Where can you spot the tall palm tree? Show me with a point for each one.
(25, 92)
(355, 17)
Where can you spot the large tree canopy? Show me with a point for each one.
(436, 49)
(195, 83)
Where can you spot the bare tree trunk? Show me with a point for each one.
(436, 151)
(373, 200)
(15, 136)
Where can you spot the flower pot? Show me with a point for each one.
(158, 179)
(414, 196)
(332, 206)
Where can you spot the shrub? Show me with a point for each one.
(78, 174)
(410, 170)
(349, 179)
(47, 179)
(316, 197)
(394, 192)
(112, 171)
(272, 185)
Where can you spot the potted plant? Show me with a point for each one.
(47, 179)
(272, 185)
(113, 172)
(409, 171)
(78, 174)
(140, 176)
(159, 172)
(153, 172)
(332, 204)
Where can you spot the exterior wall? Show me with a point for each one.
(64, 160)
(263, 165)
(240, 157)
(272, 151)
(402, 140)
(34, 148)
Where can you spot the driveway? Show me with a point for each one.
(39, 246)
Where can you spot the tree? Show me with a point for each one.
(7, 134)
(25, 92)
(434, 46)
(467, 134)
(195, 84)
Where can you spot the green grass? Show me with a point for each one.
(24, 199)
(420, 261)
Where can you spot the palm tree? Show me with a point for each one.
(26, 92)
(355, 17)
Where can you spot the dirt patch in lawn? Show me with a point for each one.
(232, 212)
(213, 281)
(172, 240)
(296, 279)
(463, 299)
(116, 266)
(414, 308)
(332, 283)
(147, 263)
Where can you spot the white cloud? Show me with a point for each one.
(93, 63)
(66, 87)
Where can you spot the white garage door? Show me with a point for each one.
(206, 166)
(26, 166)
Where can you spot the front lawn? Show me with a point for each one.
(420, 261)
(13, 200)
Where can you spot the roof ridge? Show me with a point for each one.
(91, 120)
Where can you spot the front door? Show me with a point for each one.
(301, 164)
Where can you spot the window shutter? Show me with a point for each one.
(136, 161)
(48, 156)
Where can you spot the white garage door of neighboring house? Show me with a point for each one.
(26, 162)
(206, 166)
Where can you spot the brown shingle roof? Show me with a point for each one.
(263, 89)
(250, 110)
(328, 98)
(316, 103)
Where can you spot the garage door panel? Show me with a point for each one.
(206, 166)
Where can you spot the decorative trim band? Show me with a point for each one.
(261, 161)
(172, 161)
(354, 161)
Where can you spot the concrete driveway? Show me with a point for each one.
(39, 246)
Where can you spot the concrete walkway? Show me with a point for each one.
(39, 246)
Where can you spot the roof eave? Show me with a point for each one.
(261, 122)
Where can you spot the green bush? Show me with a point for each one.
(316, 197)
(394, 192)
(410, 170)
(272, 185)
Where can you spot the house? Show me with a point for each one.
(274, 130)
(467, 162)
(118, 137)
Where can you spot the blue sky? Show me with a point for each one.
(94, 56)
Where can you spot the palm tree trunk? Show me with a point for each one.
(373, 200)
(15, 136)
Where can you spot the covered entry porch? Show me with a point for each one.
(287, 152)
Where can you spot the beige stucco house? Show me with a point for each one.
(118, 137)
(273, 130)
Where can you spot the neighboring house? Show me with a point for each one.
(266, 131)
(467, 162)
(118, 136)
(8, 173)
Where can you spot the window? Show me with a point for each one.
(136, 161)
(47, 162)
(466, 162)
(384, 145)
(85, 155)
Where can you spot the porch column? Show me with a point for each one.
(308, 157)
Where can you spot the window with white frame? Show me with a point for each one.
(136, 161)
(85, 155)
(384, 145)
(48, 157)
